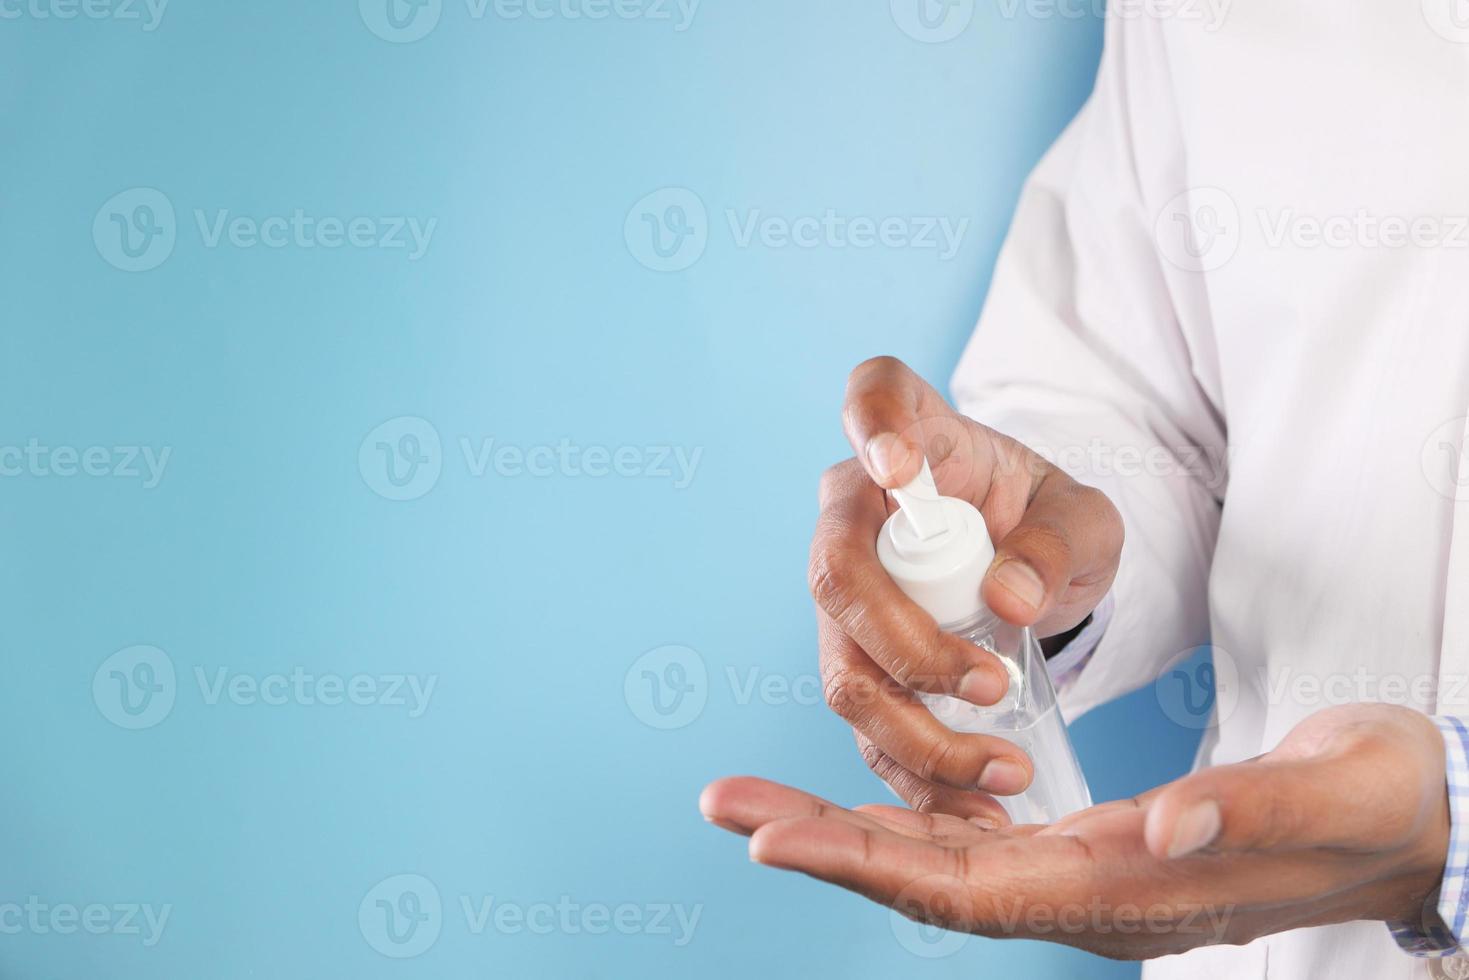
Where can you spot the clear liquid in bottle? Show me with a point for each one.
(1027, 716)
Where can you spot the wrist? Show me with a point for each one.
(1052, 645)
(1426, 853)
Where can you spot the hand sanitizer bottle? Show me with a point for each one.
(938, 549)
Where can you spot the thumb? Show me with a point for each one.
(1264, 805)
(1063, 551)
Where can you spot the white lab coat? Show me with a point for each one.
(1332, 367)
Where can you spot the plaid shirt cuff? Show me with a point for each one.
(1444, 918)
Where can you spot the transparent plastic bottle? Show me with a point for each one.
(938, 549)
(1027, 716)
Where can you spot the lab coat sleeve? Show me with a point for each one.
(1445, 922)
(1083, 353)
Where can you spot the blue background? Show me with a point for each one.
(266, 547)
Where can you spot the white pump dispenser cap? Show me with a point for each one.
(937, 549)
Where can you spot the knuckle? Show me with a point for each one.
(938, 760)
(1046, 541)
(887, 769)
(1093, 499)
(905, 674)
(876, 759)
(837, 481)
(845, 694)
(923, 797)
(834, 577)
(829, 579)
(882, 366)
(933, 664)
(1370, 742)
(1096, 502)
(1282, 821)
(919, 667)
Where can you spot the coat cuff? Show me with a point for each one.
(1067, 663)
(1444, 915)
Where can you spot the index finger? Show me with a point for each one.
(849, 585)
(887, 409)
(971, 887)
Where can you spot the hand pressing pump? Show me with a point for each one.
(937, 549)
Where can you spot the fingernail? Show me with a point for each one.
(985, 823)
(980, 686)
(1023, 581)
(1005, 777)
(886, 454)
(1196, 828)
